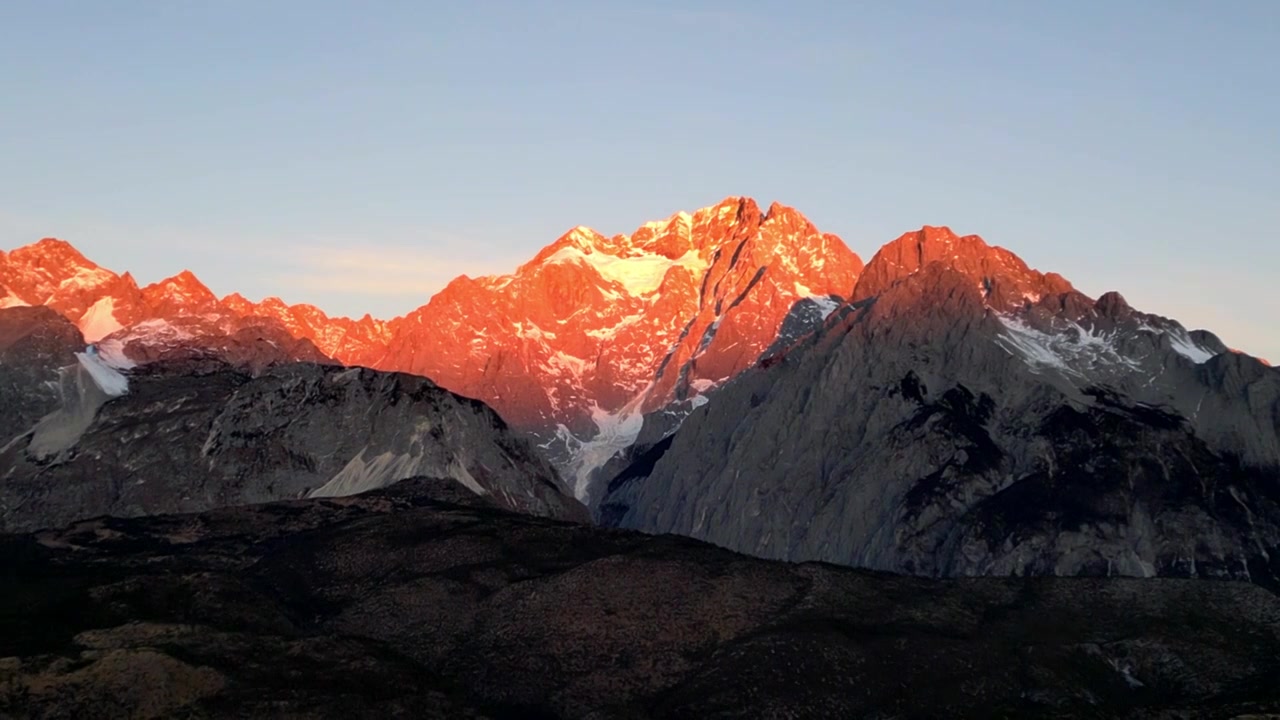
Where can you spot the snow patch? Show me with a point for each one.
(610, 332)
(639, 274)
(111, 352)
(108, 379)
(11, 300)
(532, 332)
(1186, 347)
(86, 278)
(1036, 347)
(99, 320)
(567, 364)
(826, 304)
(1071, 350)
(615, 432)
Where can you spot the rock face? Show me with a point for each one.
(198, 435)
(408, 602)
(968, 416)
(34, 343)
(573, 348)
(174, 319)
(581, 341)
(360, 342)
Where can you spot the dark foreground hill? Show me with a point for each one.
(421, 600)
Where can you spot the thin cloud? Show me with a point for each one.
(385, 271)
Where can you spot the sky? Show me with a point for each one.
(358, 155)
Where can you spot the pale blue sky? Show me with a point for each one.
(358, 155)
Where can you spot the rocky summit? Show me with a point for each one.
(966, 415)
(424, 600)
(594, 332)
(573, 348)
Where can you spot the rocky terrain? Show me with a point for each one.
(198, 434)
(35, 342)
(945, 410)
(580, 342)
(424, 600)
(176, 318)
(572, 348)
(966, 415)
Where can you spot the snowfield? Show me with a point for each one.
(108, 379)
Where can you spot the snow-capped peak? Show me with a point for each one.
(639, 274)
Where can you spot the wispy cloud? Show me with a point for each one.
(375, 270)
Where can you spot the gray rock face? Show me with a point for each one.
(925, 431)
(193, 438)
(400, 602)
(58, 432)
(35, 342)
(804, 318)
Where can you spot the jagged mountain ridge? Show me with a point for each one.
(196, 434)
(573, 347)
(965, 415)
(581, 341)
(174, 315)
(577, 346)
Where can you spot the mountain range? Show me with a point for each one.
(737, 375)
(224, 508)
(573, 348)
(966, 415)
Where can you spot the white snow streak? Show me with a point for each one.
(566, 363)
(610, 332)
(86, 278)
(826, 305)
(1184, 346)
(1072, 350)
(1035, 346)
(107, 379)
(615, 432)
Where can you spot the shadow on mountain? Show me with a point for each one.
(422, 599)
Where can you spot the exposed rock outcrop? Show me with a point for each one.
(969, 416)
(35, 342)
(195, 436)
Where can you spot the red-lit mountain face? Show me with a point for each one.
(573, 347)
(593, 332)
(967, 415)
(176, 318)
(351, 342)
